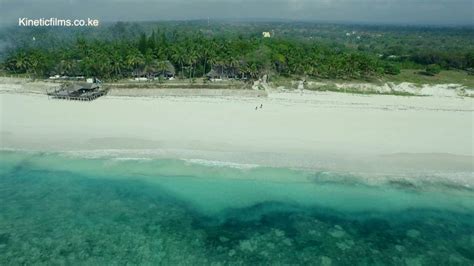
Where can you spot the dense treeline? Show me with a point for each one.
(194, 56)
(123, 52)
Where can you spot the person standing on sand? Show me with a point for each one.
(261, 106)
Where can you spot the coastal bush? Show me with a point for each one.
(433, 70)
(392, 69)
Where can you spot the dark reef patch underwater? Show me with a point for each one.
(59, 209)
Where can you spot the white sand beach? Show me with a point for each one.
(321, 130)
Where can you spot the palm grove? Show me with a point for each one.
(195, 53)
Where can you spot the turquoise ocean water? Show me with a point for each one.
(62, 209)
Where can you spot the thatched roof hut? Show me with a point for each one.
(76, 89)
(213, 74)
(223, 72)
(155, 69)
(166, 69)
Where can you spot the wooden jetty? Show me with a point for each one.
(78, 92)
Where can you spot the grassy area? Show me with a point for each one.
(179, 84)
(334, 88)
(286, 82)
(445, 77)
(12, 75)
(407, 75)
(175, 86)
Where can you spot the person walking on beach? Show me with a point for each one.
(261, 106)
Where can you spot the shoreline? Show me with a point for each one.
(393, 169)
(309, 130)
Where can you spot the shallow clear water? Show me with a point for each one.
(61, 209)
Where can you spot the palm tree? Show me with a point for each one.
(210, 54)
(34, 63)
(233, 62)
(149, 62)
(179, 56)
(116, 64)
(205, 54)
(21, 62)
(191, 61)
(252, 69)
(212, 60)
(162, 66)
(65, 66)
(134, 60)
(103, 66)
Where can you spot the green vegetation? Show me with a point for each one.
(334, 88)
(444, 77)
(433, 70)
(238, 50)
(178, 84)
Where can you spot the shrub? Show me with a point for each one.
(392, 69)
(433, 70)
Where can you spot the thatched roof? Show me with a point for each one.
(213, 74)
(156, 68)
(71, 87)
(169, 67)
(222, 71)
